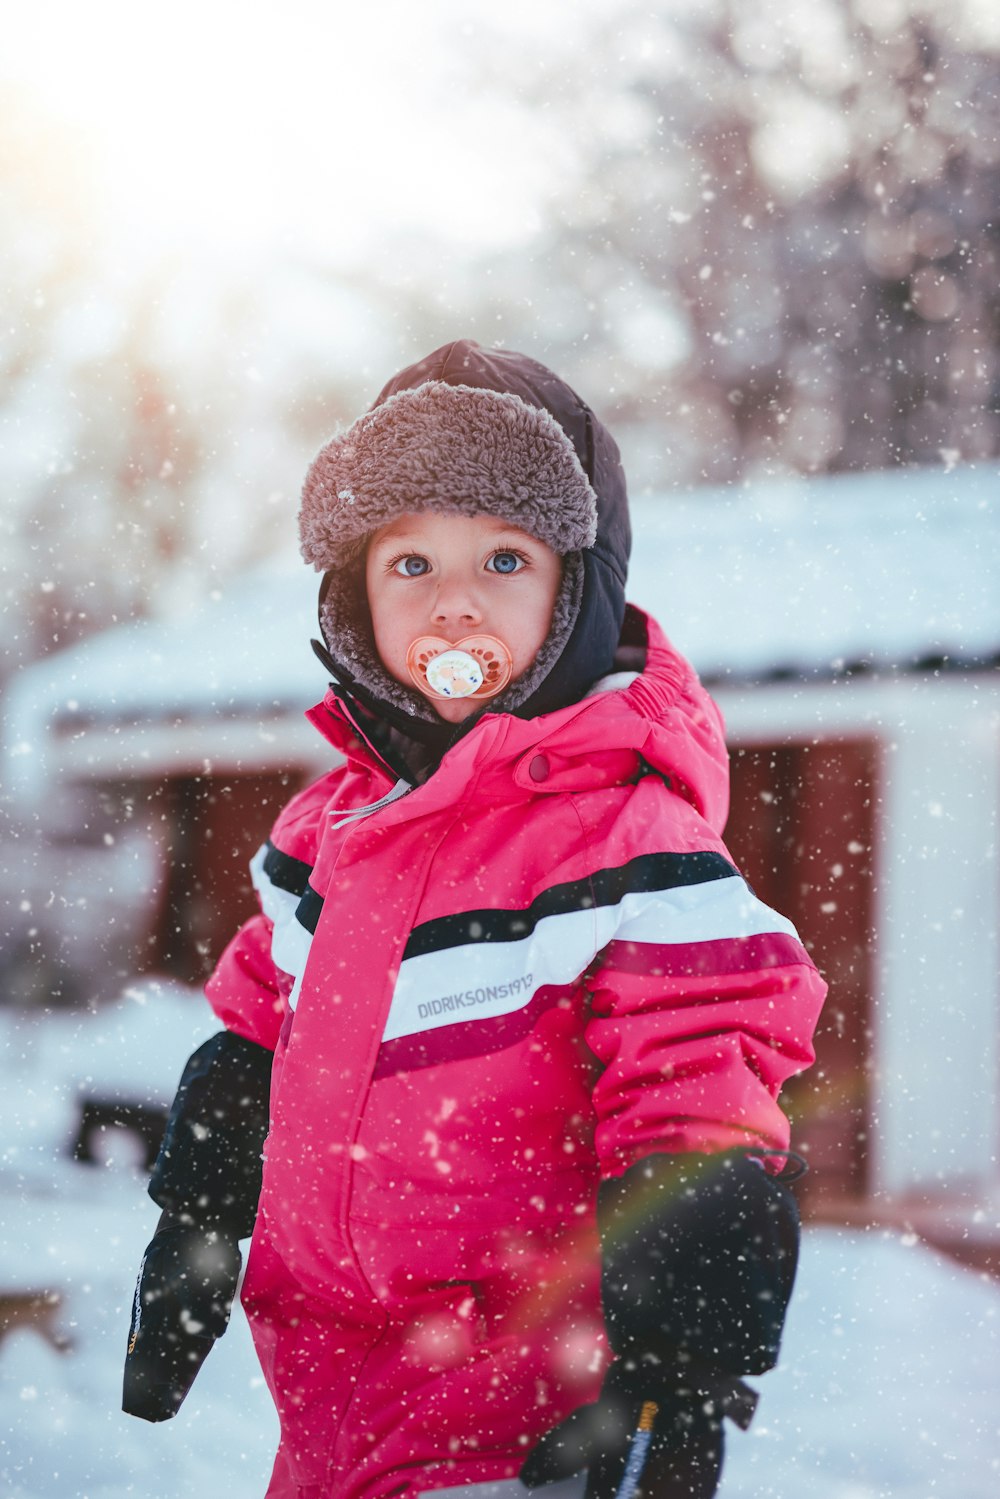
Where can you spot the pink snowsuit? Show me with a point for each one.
(485, 995)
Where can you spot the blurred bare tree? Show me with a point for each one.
(766, 241)
(777, 233)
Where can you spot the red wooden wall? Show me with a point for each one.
(801, 827)
(211, 827)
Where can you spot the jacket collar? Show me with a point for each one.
(662, 720)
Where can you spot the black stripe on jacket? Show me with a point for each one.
(292, 876)
(285, 872)
(605, 887)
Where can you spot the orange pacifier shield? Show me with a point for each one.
(479, 666)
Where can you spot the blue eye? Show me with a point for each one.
(412, 566)
(505, 562)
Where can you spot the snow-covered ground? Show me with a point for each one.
(889, 1386)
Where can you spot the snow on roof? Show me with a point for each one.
(812, 577)
(244, 648)
(242, 654)
(806, 578)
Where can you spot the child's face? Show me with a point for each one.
(457, 575)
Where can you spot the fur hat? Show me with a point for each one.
(453, 449)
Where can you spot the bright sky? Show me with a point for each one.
(231, 130)
(304, 124)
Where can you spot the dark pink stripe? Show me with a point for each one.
(691, 959)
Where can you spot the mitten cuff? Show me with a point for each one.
(699, 1257)
(209, 1167)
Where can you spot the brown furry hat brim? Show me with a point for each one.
(455, 449)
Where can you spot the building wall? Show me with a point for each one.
(210, 827)
(801, 827)
(932, 1037)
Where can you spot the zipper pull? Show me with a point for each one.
(400, 789)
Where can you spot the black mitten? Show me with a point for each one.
(187, 1281)
(699, 1256)
(209, 1165)
(207, 1179)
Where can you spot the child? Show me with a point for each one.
(522, 1224)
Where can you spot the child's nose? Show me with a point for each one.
(456, 606)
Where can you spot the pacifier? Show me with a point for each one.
(479, 666)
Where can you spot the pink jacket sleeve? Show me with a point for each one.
(696, 1041)
(247, 991)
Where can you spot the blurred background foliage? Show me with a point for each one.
(761, 240)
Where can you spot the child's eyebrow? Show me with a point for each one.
(398, 539)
